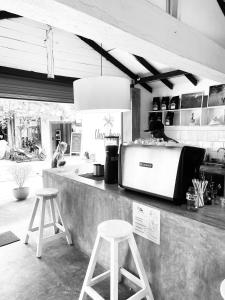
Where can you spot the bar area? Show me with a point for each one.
(126, 138)
(186, 264)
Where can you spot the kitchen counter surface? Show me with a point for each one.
(188, 262)
(213, 215)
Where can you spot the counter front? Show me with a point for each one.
(188, 263)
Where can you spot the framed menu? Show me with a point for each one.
(75, 143)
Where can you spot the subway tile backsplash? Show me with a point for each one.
(209, 138)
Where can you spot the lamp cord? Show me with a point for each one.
(101, 61)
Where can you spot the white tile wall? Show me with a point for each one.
(210, 138)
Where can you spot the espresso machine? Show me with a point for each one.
(163, 171)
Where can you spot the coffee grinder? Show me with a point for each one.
(111, 160)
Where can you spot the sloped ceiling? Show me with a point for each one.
(23, 46)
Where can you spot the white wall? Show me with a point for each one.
(205, 16)
(95, 123)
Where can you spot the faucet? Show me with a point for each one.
(218, 150)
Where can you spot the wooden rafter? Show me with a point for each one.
(191, 78)
(153, 70)
(167, 75)
(222, 5)
(114, 61)
(7, 15)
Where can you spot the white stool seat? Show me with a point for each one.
(222, 289)
(60, 228)
(115, 229)
(47, 192)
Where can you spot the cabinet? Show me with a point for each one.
(192, 116)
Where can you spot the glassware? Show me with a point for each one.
(192, 199)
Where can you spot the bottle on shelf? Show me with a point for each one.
(165, 103)
(156, 103)
(169, 118)
(192, 121)
(174, 102)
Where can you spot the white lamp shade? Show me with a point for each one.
(102, 93)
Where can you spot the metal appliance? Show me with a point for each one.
(164, 171)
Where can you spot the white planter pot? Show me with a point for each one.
(21, 193)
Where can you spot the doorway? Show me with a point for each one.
(60, 132)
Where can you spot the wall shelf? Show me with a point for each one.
(200, 116)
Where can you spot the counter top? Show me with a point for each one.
(213, 215)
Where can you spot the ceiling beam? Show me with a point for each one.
(161, 76)
(114, 61)
(7, 15)
(153, 70)
(137, 27)
(222, 5)
(171, 74)
(191, 78)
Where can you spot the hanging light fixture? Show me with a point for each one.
(102, 93)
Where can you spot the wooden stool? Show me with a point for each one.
(115, 231)
(43, 196)
(222, 289)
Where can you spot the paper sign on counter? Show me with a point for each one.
(146, 222)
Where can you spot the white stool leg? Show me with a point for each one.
(140, 267)
(41, 228)
(68, 237)
(32, 220)
(114, 270)
(53, 215)
(91, 266)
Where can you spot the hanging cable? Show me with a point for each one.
(49, 52)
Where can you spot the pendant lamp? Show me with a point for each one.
(102, 93)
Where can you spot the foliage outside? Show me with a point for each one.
(20, 174)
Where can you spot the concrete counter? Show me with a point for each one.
(188, 263)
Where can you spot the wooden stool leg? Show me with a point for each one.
(140, 267)
(32, 220)
(41, 228)
(91, 266)
(68, 237)
(114, 270)
(53, 215)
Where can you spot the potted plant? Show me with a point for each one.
(20, 173)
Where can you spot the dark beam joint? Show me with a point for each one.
(191, 78)
(222, 5)
(7, 15)
(153, 70)
(115, 62)
(161, 76)
(170, 74)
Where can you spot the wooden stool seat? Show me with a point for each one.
(115, 231)
(46, 192)
(43, 196)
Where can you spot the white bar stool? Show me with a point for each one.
(115, 231)
(42, 196)
(222, 289)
